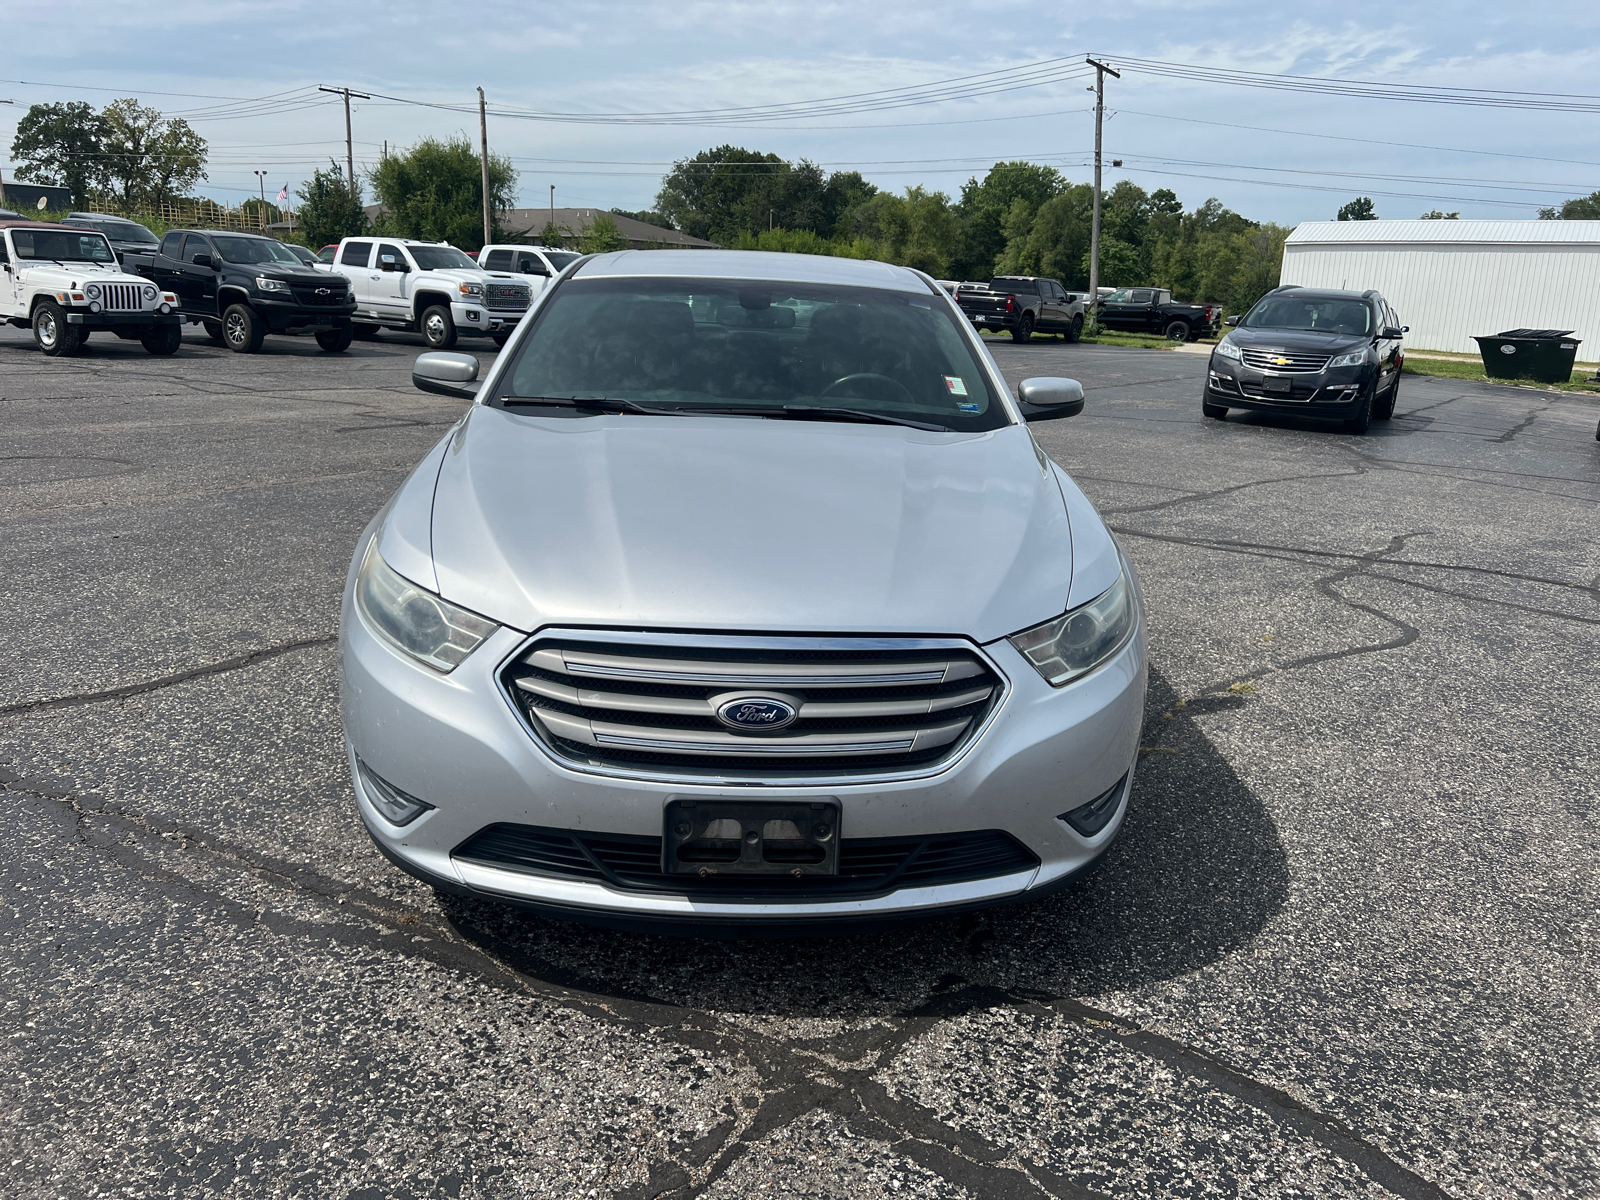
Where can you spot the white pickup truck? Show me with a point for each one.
(65, 283)
(427, 287)
(538, 264)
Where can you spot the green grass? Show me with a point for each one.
(1103, 338)
(1450, 369)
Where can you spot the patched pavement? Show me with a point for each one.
(1346, 945)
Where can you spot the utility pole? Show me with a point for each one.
(349, 141)
(483, 134)
(261, 181)
(1101, 70)
(2, 173)
(552, 208)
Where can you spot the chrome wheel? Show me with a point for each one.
(233, 328)
(433, 327)
(46, 329)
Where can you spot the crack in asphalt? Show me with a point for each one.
(795, 1079)
(1196, 497)
(80, 699)
(1510, 435)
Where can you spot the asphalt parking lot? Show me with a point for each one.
(1346, 945)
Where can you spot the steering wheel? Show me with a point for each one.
(900, 389)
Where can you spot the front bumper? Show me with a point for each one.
(121, 320)
(474, 318)
(1328, 395)
(291, 314)
(455, 742)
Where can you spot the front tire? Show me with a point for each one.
(243, 331)
(336, 340)
(1178, 331)
(51, 332)
(500, 339)
(1024, 330)
(1076, 332)
(162, 340)
(1384, 410)
(1216, 412)
(438, 327)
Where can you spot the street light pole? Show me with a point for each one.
(2, 172)
(1100, 72)
(261, 182)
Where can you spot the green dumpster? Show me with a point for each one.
(1542, 355)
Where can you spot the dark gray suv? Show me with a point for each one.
(1311, 351)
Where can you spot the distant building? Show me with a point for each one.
(1449, 280)
(527, 224)
(26, 197)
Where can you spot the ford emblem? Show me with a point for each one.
(756, 712)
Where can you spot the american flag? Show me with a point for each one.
(283, 194)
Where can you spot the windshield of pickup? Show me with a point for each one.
(1324, 314)
(722, 344)
(255, 250)
(559, 260)
(441, 258)
(60, 245)
(128, 231)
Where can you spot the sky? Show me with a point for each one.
(1272, 155)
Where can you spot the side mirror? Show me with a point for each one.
(1392, 332)
(204, 260)
(446, 374)
(1233, 320)
(1046, 399)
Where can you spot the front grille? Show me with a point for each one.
(1282, 362)
(507, 297)
(862, 707)
(867, 866)
(330, 297)
(121, 297)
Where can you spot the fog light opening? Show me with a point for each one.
(1089, 819)
(395, 806)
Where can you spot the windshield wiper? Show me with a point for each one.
(598, 403)
(817, 412)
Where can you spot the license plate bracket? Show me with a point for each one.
(1276, 385)
(739, 838)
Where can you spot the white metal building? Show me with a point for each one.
(1449, 280)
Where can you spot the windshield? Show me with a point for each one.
(301, 253)
(1325, 314)
(440, 258)
(719, 344)
(255, 250)
(128, 231)
(61, 245)
(559, 260)
(1013, 285)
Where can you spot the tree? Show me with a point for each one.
(1581, 208)
(149, 158)
(260, 213)
(328, 211)
(554, 236)
(434, 191)
(1359, 209)
(1436, 215)
(602, 237)
(648, 217)
(985, 207)
(63, 145)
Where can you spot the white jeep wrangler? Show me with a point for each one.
(64, 283)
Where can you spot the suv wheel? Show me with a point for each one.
(51, 331)
(1384, 409)
(242, 331)
(1215, 411)
(1359, 423)
(1076, 331)
(1178, 331)
(438, 328)
(214, 332)
(1024, 330)
(335, 340)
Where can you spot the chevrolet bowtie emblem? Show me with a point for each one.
(1280, 362)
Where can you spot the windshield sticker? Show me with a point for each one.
(956, 384)
(967, 407)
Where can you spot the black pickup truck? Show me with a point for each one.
(242, 286)
(1021, 305)
(1152, 310)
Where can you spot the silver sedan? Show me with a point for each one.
(742, 598)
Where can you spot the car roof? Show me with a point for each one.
(227, 233)
(26, 223)
(1330, 293)
(755, 265)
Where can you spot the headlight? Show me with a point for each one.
(150, 293)
(1227, 349)
(425, 626)
(472, 289)
(1076, 643)
(92, 291)
(271, 285)
(1354, 359)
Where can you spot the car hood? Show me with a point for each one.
(300, 274)
(748, 524)
(1309, 340)
(99, 272)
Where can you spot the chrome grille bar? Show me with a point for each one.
(1282, 362)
